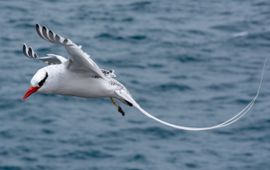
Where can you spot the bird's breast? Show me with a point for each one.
(64, 82)
(85, 87)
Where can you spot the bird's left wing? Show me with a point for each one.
(48, 59)
(79, 61)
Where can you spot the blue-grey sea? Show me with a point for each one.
(189, 62)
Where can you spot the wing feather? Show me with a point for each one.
(79, 60)
(49, 59)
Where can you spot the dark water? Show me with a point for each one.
(188, 62)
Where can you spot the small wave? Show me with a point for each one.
(172, 87)
(139, 5)
(197, 32)
(127, 19)
(259, 127)
(157, 132)
(240, 34)
(47, 131)
(155, 65)
(191, 165)
(187, 58)
(261, 4)
(226, 27)
(137, 37)
(136, 158)
(222, 86)
(108, 36)
(6, 134)
(264, 35)
(242, 101)
(24, 25)
(85, 154)
(10, 167)
(123, 64)
(17, 8)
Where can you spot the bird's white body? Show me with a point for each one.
(64, 82)
(81, 76)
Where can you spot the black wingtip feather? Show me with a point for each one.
(30, 51)
(51, 35)
(57, 38)
(44, 30)
(24, 50)
(38, 31)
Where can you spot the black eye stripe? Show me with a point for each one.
(43, 80)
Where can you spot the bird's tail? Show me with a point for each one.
(126, 96)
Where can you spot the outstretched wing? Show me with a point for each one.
(48, 59)
(79, 61)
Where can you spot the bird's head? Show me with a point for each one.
(38, 80)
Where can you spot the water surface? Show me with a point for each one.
(188, 62)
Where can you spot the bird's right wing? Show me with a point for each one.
(79, 61)
(48, 59)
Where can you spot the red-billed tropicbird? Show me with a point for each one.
(80, 76)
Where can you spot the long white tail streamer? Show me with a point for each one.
(223, 124)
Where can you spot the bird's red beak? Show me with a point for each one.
(30, 91)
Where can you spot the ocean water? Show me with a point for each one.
(193, 63)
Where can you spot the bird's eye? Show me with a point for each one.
(43, 80)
